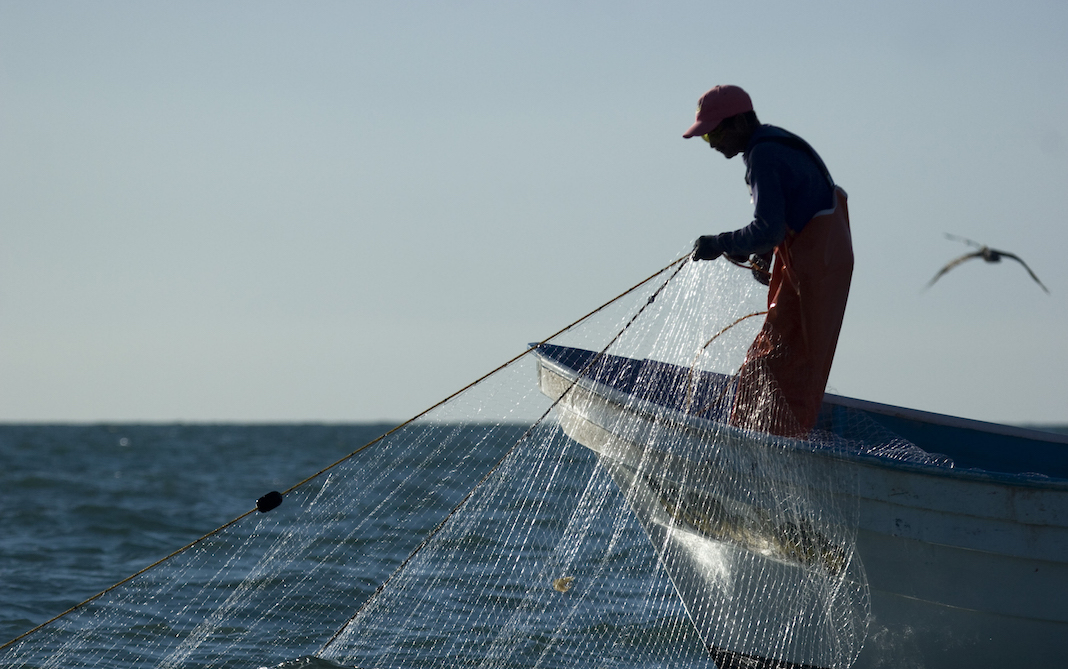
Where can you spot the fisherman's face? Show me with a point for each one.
(726, 140)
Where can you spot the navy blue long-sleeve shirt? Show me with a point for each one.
(789, 184)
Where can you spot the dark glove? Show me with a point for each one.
(762, 267)
(707, 248)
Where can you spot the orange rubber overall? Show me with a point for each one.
(781, 384)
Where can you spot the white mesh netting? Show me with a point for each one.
(630, 527)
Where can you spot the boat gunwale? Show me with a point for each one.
(945, 420)
(660, 413)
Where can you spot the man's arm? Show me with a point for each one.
(768, 228)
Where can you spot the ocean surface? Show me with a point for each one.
(84, 506)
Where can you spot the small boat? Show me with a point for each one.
(889, 537)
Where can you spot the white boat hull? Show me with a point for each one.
(963, 570)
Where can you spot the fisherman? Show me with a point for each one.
(800, 229)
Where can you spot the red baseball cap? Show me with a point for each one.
(717, 104)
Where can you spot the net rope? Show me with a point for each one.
(538, 517)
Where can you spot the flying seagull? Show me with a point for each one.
(986, 253)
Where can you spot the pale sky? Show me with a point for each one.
(345, 211)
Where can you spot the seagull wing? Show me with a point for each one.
(967, 241)
(1017, 259)
(952, 264)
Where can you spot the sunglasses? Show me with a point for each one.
(715, 132)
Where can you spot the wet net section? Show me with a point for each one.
(596, 509)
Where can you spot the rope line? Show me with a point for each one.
(491, 373)
(680, 261)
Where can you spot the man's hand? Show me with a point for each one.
(707, 248)
(762, 267)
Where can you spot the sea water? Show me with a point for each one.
(84, 506)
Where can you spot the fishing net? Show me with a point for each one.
(590, 503)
